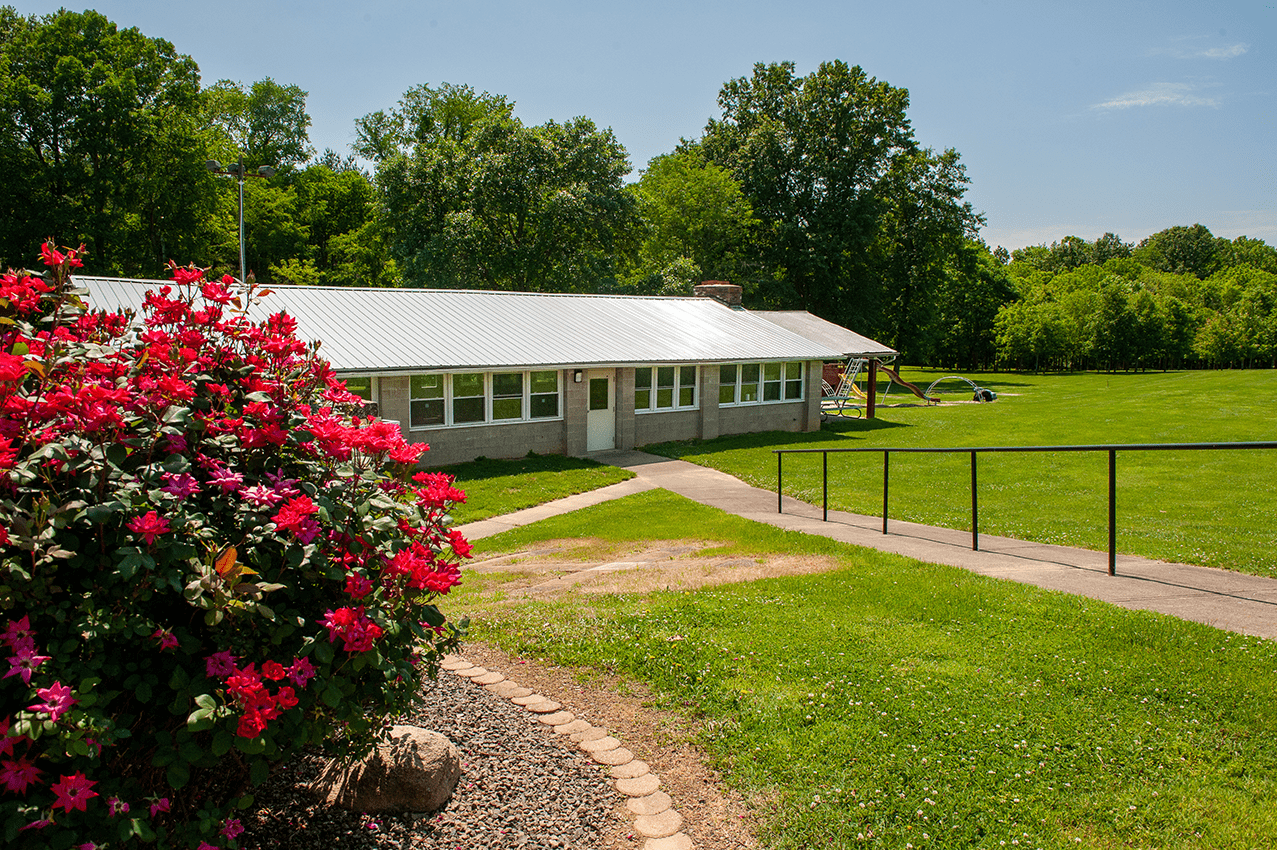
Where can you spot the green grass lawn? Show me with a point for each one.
(497, 487)
(1212, 508)
(897, 704)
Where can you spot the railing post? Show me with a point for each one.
(1112, 512)
(779, 506)
(824, 459)
(975, 512)
(886, 466)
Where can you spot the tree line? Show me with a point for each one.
(810, 191)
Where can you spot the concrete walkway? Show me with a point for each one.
(1221, 598)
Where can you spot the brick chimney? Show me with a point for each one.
(720, 290)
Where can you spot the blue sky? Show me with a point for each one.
(1072, 118)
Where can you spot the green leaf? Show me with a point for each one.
(332, 695)
(178, 775)
(259, 772)
(432, 615)
(244, 802)
(142, 829)
(206, 701)
(222, 743)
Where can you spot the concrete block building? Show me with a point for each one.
(501, 374)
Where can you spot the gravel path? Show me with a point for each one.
(520, 788)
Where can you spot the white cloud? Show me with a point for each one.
(1159, 94)
(1222, 52)
(1187, 51)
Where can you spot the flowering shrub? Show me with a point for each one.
(209, 560)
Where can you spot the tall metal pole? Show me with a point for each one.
(243, 275)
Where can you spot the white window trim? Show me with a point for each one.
(488, 420)
(762, 382)
(678, 377)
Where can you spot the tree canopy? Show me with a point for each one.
(474, 199)
(855, 215)
(96, 123)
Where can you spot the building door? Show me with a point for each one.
(600, 420)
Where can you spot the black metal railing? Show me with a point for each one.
(974, 452)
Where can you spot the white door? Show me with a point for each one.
(600, 421)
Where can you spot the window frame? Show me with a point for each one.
(779, 385)
(676, 390)
(490, 398)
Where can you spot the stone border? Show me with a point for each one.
(654, 816)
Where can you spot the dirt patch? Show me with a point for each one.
(716, 818)
(594, 567)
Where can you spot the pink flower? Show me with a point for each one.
(160, 805)
(181, 486)
(358, 586)
(57, 700)
(166, 638)
(227, 479)
(261, 496)
(220, 664)
(301, 672)
(231, 828)
(17, 774)
(8, 742)
(204, 845)
(150, 526)
(73, 792)
(117, 806)
(18, 633)
(24, 662)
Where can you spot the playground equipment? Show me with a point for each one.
(980, 393)
(842, 400)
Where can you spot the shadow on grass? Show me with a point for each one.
(483, 468)
(836, 426)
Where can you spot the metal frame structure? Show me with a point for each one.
(1112, 451)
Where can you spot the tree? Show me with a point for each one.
(268, 123)
(1181, 250)
(100, 143)
(474, 199)
(975, 288)
(696, 225)
(846, 199)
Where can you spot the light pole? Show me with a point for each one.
(236, 170)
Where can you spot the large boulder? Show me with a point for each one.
(412, 770)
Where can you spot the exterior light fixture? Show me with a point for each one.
(236, 170)
(576, 376)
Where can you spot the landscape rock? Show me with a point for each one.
(412, 770)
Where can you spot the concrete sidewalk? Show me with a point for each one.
(1221, 598)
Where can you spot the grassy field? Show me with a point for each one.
(896, 704)
(1212, 508)
(496, 487)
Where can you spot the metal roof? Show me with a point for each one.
(381, 330)
(850, 343)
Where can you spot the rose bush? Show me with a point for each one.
(209, 560)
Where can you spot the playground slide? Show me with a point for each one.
(895, 376)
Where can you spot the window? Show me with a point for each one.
(360, 386)
(473, 398)
(545, 395)
(793, 380)
(507, 395)
(771, 381)
(664, 388)
(727, 383)
(752, 383)
(467, 398)
(749, 382)
(425, 407)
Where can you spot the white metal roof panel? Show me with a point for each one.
(850, 343)
(378, 330)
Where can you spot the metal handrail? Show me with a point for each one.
(974, 451)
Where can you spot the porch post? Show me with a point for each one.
(871, 393)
